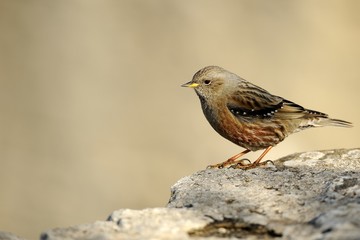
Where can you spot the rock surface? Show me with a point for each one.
(312, 195)
(9, 236)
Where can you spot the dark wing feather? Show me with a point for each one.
(292, 110)
(252, 101)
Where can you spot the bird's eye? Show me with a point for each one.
(207, 82)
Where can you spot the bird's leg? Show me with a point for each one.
(256, 163)
(230, 161)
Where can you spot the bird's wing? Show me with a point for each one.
(292, 110)
(252, 101)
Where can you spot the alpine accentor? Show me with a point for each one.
(248, 115)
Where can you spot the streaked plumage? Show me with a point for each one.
(248, 115)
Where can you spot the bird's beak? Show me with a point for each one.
(190, 85)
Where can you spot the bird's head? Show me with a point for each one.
(211, 81)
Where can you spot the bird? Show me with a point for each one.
(250, 116)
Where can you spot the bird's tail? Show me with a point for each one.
(322, 121)
(334, 122)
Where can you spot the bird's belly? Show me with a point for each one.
(254, 134)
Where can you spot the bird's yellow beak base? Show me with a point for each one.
(190, 85)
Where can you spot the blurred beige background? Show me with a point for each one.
(92, 115)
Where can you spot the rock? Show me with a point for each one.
(312, 195)
(97, 230)
(9, 236)
(154, 223)
(159, 223)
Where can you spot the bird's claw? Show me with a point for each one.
(223, 165)
(216, 166)
(268, 161)
(251, 165)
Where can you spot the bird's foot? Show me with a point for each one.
(240, 165)
(216, 166)
(227, 164)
